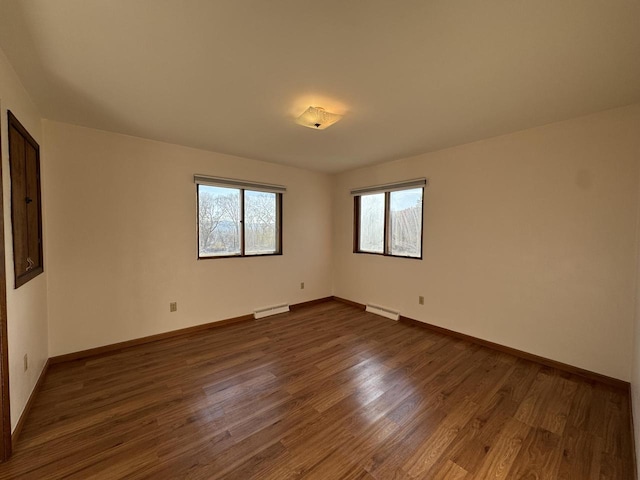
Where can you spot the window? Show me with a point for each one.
(26, 210)
(238, 218)
(388, 219)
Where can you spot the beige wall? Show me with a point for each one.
(529, 241)
(26, 306)
(122, 239)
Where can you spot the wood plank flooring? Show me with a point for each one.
(325, 392)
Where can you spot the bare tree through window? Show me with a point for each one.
(406, 222)
(372, 223)
(390, 222)
(260, 222)
(227, 229)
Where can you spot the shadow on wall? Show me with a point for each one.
(40, 69)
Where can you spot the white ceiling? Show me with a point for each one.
(410, 76)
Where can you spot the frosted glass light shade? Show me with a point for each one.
(317, 118)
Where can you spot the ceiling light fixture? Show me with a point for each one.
(317, 118)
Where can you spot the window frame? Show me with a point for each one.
(241, 187)
(386, 250)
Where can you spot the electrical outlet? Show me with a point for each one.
(421, 300)
(26, 362)
(173, 307)
(301, 285)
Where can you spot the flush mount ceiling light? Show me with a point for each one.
(317, 118)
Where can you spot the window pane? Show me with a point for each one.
(260, 218)
(406, 223)
(372, 223)
(219, 221)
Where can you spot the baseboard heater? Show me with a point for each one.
(382, 311)
(268, 311)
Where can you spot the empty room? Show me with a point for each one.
(360, 240)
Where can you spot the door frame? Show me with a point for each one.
(5, 408)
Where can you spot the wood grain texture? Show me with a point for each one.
(631, 426)
(357, 305)
(26, 205)
(25, 413)
(594, 376)
(324, 392)
(5, 409)
(614, 382)
(114, 347)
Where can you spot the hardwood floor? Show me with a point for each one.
(326, 392)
